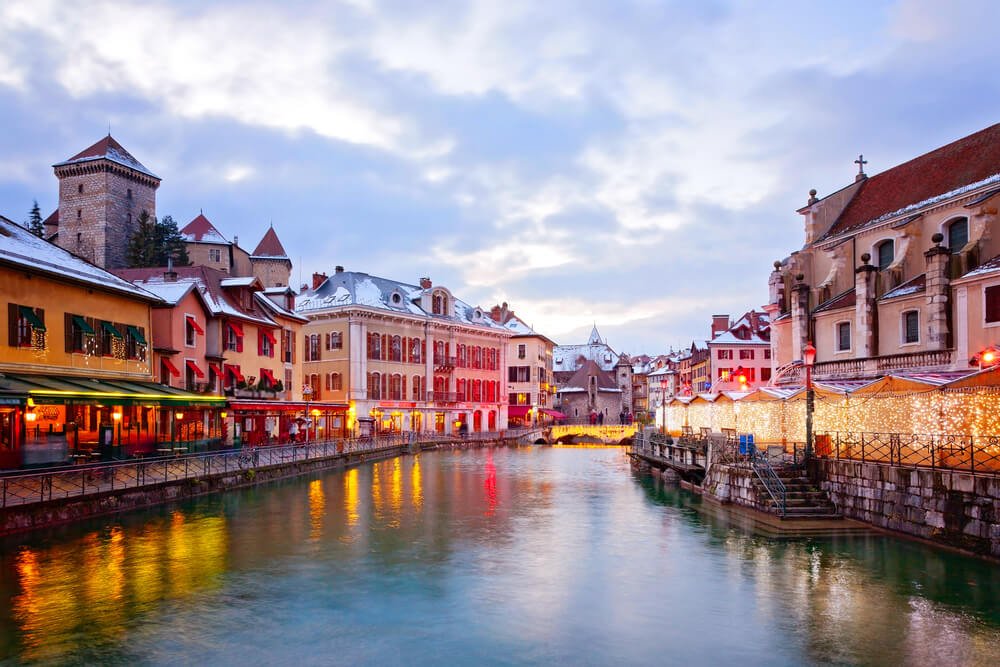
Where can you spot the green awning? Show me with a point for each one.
(110, 328)
(61, 389)
(28, 313)
(82, 323)
(136, 334)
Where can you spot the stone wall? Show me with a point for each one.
(729, 484)
(951, 508)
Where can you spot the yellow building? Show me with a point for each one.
(405, 357)
(77, 379)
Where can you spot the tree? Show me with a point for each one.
(35, 224)
(156, 241)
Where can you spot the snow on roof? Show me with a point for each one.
(910, 287)
(353, 288)
(172, 293)
(200, 230)
(990, 266)
(20, 247)
(239, 281)
(277, 309)
(108, 149)
(567, 357)
(270, 246)
(756, 324)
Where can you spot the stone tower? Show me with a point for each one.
(102, 191)
(271, 265)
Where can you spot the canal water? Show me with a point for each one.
(541, 555)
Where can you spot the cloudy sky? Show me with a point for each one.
(634, 163)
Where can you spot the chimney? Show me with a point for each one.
(170, 275)
(495, 314)
(720, 323)
(236, 241)
(318, 279)
(338, 269)
(425, 283)
(303, 287)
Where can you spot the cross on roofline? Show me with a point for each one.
(861, 162)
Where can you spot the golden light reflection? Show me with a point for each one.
(417, 484)
(377, 490)
(396, 486)
(351, 496)
(317, 509)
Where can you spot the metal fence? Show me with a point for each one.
(21, 488)
(969, 453)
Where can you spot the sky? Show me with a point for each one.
(633, 164)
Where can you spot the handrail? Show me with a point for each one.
(762, 467)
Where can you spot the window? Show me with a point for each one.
(724, 354)
(417, 386)
(439, 303)
(415, 350)
(128, 193)
(135, 342)
(911, 327)
(334, 340)
(234, 337)
(190, 332)
(214, 255)
(767, 353)
(26, 326)
(885, 253)
(79, 188)
(746, 354)
(724, 374)
(265, 343)
(843, 336)
(992, 306)
(519, 374)
(396, 349)
(109, 332)
(79, 214)
(521, 351)
(958, 235)
(374, 386)
(765, 374)
(396, 299)
(336, 381)
(79, 333)
(374, 346)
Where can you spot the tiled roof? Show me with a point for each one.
(909, 288)
(846, 299)
(200, 230)
(972, 159)
(21, 248)
(270, 246)
(353, 288)
(988, 266)
(220, 301)
(580, 380)
(108, 149)
(753, 328)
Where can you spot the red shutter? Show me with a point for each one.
(260, 343)
(12, 316)
(385, 347)
(68, 331)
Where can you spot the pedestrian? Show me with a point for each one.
(600, 418)
(630, 417)
(293, 431)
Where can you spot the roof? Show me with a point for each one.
(220, 302)
(270, 246)
(970, 162)
(989, 266)
(846, 299)
(200, 230)
(909, 288)
(277, 309)
(346, 289)
(580, 380)
(108, 149)
(753, 328)
(568, 357)
(23, 249)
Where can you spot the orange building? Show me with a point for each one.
(77, 379)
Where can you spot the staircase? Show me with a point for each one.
(803, 499)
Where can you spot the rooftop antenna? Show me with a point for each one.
(109, 128)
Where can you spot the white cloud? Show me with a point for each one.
(238, 172)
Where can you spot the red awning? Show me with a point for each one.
(553, 413)
(518, 410)
(235, 370)
(170, 367)
(194, 325)
(236, 327)
(193, 366)
(266, 373)
(269, 336)
(215, 369)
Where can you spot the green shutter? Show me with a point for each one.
(136, 334)
(28, 313)
(83, 325)
(110, 329)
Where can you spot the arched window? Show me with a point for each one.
(477, 390)
(958, 235)
(374, 346)
(396, 388)
(396, 349)
(439, 303)
(336, 382)
(885, 253)
(415, 350)
(417, 385)
(374, 386)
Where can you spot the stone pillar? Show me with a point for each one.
(865, 310)
(357, 340)
(936, 291)
(800, 316)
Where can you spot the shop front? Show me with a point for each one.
(250, 422)
(50, 419)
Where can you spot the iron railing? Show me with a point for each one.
(971, 453)
(761, 464)
(23, 487)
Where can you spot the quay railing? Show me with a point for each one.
(966, 453)
(761, 464)
(25, 487)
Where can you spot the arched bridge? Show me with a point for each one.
(608, 434)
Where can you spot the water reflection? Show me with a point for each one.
(581, 563)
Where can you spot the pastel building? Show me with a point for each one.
(530, 388)
(740, 352)
(404, 357)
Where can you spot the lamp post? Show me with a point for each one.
(808, 359)
(663, 405)
(307, 392)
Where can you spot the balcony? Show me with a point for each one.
(444, 364)
(443, 397)
(873, 367)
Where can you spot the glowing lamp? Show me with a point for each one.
(314, 412)
(989, 356)
(179, 415)
(116, 416)
(30, 416)
(223, 414)
(809, 354)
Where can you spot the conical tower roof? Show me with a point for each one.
(108, 149)
(201, 230)
(270, 246)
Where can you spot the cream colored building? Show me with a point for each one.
(403, 357)
(899, 272)
(530, 388)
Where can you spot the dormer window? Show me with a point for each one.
(396, 299)
(439, 303)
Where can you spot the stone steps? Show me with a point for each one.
(803, 500)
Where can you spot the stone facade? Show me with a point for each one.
(951, 508)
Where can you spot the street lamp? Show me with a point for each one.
(808, 359)
(663, 405)
(307, 392)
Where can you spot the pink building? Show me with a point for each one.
(740, 352)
